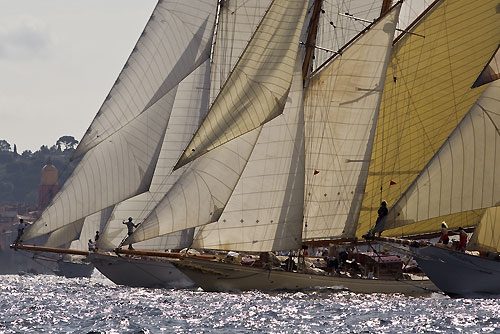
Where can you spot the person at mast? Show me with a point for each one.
(91, 245)
(130, 229)
(463, 239)
(444, 238)
(382, 212)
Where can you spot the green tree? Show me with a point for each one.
(67, 142)
(4, 146)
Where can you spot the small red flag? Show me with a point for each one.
(392, 183)
(316, 172)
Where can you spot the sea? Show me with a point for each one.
(52, 304)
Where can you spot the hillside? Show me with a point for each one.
(20, 173)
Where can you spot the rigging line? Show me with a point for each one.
(368, 21)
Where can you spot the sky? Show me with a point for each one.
(58, 61)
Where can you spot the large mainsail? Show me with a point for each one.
(462, 175)
(175, 41)
(256, 90)
(264, 212)
(427, 93)
(341, 108)
(190, 105)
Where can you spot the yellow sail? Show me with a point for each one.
(486, 236)
(426, 94)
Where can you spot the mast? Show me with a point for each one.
(311, 38)
(386, 5)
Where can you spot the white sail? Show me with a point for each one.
(190, 105)
(462, 176)
(199, 196)
(65, 234)
(175, 41)
(117, 169)
(341, 106)
(256, 90)
(264, 212)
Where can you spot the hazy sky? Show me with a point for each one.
(58, 61)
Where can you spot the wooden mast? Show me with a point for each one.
(386, 5)
(312, 32)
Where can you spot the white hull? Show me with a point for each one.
(218, 276)
(73, 269)
(140, 272)
(459, 274)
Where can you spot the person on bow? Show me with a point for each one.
(130, 229)
(20, 230)
(444, 238)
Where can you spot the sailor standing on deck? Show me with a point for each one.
(20, 231)
(444, 238)
(130, 227)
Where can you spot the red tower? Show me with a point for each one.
(49, 185)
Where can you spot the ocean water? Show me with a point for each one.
(51, 304)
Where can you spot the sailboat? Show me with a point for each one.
(258, 197)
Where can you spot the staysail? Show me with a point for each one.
(117, 169)
(427, 92)
(341, 108)
(256, 90)
(175, 41)
(189, 107)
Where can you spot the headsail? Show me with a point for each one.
(190, 105)
(117, 169)
(341, 107)
(486, 237)
(462, 176)
(65, 234)
(199, 196)
(175, 41)
(256, 90)
(426, 94)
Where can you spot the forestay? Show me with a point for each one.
(175, 41)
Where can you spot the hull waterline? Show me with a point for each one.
(218, 276)
(140, 272)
